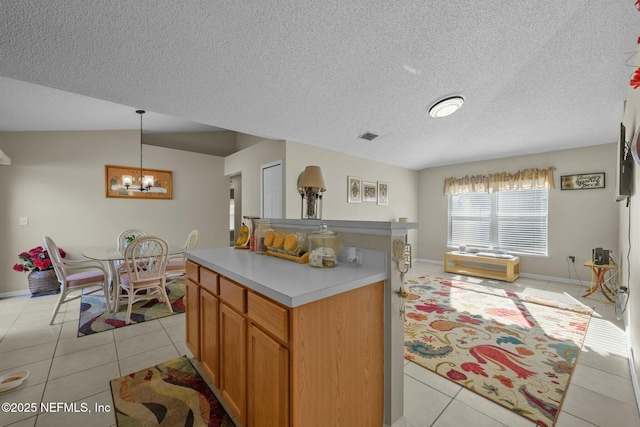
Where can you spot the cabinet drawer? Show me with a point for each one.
(269, 315)
(209, 280)
(233, 294)
(193, 270)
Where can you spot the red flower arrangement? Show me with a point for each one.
(635, 80)
(37, 259)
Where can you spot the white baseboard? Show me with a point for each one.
(632, 365)
(634, 378)
(401, 422)
(529, 275)
(550, 278)
(14, 293)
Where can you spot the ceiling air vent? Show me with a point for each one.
(368, 136)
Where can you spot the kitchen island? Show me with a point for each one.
(289, 344)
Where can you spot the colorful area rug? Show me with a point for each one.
(517, 350)
(94, 318)
(168, 394)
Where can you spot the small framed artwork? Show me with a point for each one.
(132, 183)
(369, 192)
(383, 193)
(583, 181)
(354, 189)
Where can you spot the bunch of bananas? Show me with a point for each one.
(243, 236)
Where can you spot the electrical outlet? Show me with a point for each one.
(571, 258)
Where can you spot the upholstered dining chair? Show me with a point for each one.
(146, 262)
(91, 274)
(177, 264)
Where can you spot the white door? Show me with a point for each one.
(271, 194)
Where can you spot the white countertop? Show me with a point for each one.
(288, 282)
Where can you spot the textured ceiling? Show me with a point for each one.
(536, 76)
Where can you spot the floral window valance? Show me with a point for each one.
(525, 179)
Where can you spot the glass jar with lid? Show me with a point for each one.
(262, 228)
(324, 247)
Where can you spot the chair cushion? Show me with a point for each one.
(124, 282)
(85, 278)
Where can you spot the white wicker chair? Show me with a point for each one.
(176, 265)
(92, 274)
(122, 243)
(147, 280)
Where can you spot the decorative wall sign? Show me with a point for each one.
(583, 181)
(124, 182)
(369, 192)
(383, 193)
(354, 189)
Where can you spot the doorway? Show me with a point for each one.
(271, 200)
(235, 207)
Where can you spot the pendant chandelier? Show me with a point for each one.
(145, 181)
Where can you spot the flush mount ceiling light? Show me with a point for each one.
(446, 106)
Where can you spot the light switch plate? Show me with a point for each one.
(24, 220)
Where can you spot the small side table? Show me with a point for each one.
(599, 272)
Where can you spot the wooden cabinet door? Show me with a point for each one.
(209, 324)
(192, 319)
(337, 359)
(267, 381)
(233, 369)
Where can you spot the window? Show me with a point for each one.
(515, 221)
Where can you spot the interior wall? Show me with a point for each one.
(629, 233)
(579, 220)
(247, 163)
(217, 143)
(629, 236)
(336, 167)
(57, 180)
(243, 140)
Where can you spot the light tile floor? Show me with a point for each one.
(64, 368)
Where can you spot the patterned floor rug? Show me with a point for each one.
(168, 394)
(517, 350)
(94, 318)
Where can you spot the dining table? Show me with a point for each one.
(110, 255)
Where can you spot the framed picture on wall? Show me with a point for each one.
(383, 193)
(131, 183)
(369, 192)
(354, 189)
(583, 181)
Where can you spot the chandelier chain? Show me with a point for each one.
(141, 112)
